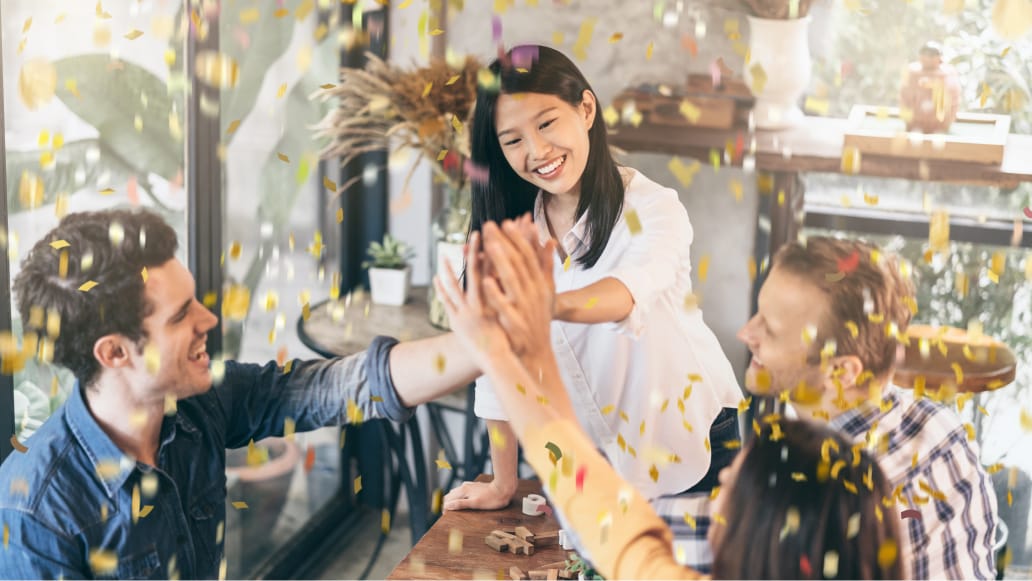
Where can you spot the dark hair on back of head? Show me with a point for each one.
(790, 507)
(116, 305)
(505, 195)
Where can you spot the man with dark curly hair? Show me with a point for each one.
(104, 293)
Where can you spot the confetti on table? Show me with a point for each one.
(454, 541)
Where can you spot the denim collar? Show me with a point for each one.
(105, 455)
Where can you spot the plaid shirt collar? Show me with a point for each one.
(860, 419)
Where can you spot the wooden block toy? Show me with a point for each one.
(524, 534)
(517, 574)
(546, 539)
(497, 543)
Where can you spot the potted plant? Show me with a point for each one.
(389, 270)
(425, 110)
(779, 67)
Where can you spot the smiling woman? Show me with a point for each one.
(625, 340)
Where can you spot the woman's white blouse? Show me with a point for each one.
(647, 388)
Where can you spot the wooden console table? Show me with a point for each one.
(815, 146)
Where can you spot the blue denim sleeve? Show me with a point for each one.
(378, 370)
(258, 401)
(34, 551)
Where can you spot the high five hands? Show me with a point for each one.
(509, 298)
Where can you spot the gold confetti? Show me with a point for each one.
(566, 263)
(654, 473)
(134, 34)
(759, 78)
(704, 263)
(218, 70)
(685, 173)
(385, 521)
(59, 244)
(239, 505)
(7, 535)
(358, 484)
(887, 553)
(455, 541)
(616, 37)
(580, 46)
(283, 157)
(648, 50)
(152, 358)
(87, 286)
(233, 125)
(426, 89)
(329, 184)
(853, 526)
(103, 562)
(439, 363)
(443, 464)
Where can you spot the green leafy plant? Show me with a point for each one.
(392, 253)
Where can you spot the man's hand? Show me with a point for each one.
(522, 292)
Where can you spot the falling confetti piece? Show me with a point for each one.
(218, 70)
(103, 562)
(86, 286)
(887, 553)
(759, 78)
(581, 474)
(685, 173)
(358, 484)
(329, 184)
(134, 34)
(59, 244)
(616, 37)
(239, 505)
(443, 464)
(233, 125)
(283, 157)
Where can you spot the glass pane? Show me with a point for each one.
(94, 119)
(956, 289)
(274, 253)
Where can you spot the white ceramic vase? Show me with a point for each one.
(389, 286)
(779, 70)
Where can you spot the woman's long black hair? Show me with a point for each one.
(792, 503)
(505, 195)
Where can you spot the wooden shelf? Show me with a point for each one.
(816, 146)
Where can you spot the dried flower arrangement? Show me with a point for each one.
(425, 109)
(779, 9)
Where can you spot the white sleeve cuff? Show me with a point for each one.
(486, 404)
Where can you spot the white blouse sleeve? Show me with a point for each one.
(656, 254)
(485, 402)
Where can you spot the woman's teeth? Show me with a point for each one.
(552, 166)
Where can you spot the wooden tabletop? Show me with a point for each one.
(432, 559)
(815, 145)
(348, 325)
(984, 363)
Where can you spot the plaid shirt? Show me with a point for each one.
(928, 458)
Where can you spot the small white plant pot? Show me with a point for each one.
(389, 286)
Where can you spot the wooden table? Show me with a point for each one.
(431, 558)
